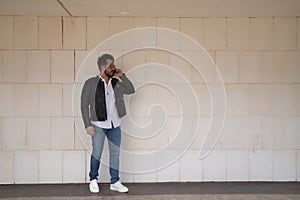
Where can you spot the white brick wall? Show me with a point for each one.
(50, 100)
(74, 33)
(53, 40)
(261, 33)
(261, 167)
(214, 35)
(26, 100)
(73, 166)
(53, 174)
(12, 62)
(227, 62)
(258, 58)
(62, 66)
(237, 165)
(97, 30)
(7, 32)
(26, 32)
(38, 66)
(13, 133)
(7, 175)
(250, 67)
(285, 34)
(238, 33)
(62, 133)
(7, 100)
(26, 167)
(38, 135)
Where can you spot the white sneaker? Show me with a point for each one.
(94, 188)
(118, 187)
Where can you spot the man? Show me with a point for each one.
(102, 106)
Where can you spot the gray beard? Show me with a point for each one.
(108, 75)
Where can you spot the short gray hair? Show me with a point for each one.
(102, 60)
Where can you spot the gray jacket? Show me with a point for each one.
(93, 105)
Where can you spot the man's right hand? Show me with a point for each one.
(90, 130)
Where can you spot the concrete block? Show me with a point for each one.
(284, 166)
(51, 174)
(79, 58)
(144, 165)
(62, 133)
(171, 171)
(273, 133)
(180, 67)
(237, 99)
(1, 130)
(292, 65)
(132, 60)
(204, 99)
(13, 133)
(285, 33)
(13, 70)
(157, 56)
(26, 32)
(261, 33)
(98, 29)
(140, 22)
(273, 67)
(120, 24)
(38, 134)
(7, 167)
(214, 166)
(298, 165)
(120, 41)
(227, 62)
(26, 167)
(74, 33)
(192, 27)
(62, 66)
(7, 107)
(237, 165)
(297, 108)
(292, 136)
(166, 40)
(168, 22)
(50, 100)
(241, 133)
(298, 33)
(38, 66)
(157, 137)
(67, 99)
(261, 97)
(261, 166)
(238, 37)
(190, 167)
(214, 35)
(7, 32)
(82, 140)
(72, 174)
(250, 69)
(26, 100)
(283, 99)
(51, 40)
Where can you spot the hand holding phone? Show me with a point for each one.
(118, 72)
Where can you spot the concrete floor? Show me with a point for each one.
(151, 191)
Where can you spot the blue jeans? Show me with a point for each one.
(114, 140)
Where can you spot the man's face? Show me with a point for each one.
(110, 69)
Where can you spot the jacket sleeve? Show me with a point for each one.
(126, 85)
(85, 104)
